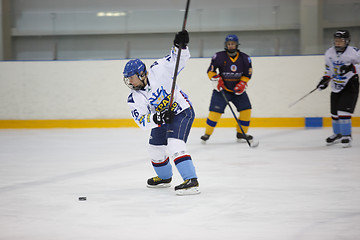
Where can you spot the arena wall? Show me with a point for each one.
(92, 93)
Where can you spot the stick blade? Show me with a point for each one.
(254, 144)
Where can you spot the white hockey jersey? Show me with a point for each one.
(156, 94)
(334, 61)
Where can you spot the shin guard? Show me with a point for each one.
(244, 118)
(160, 161)
(335, 124)
(183, 162)
(211, 122)
(345, 123)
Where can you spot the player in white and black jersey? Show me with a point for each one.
(170, 126)
(342, 70)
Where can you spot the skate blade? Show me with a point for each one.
(189, 191)
(346, 145)
(333, 143)
(161, 185)
(203, 142)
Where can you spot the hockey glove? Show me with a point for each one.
(344, 69)
(324, 82)
(240, 88)
(219, 82)
(181, 39)
(166, 116)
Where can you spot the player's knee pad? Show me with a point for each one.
(176, 148)
(157, 153)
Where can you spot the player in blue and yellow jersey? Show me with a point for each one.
(231, 71)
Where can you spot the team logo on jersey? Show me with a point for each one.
(143, 119)
(327, 67)
(233, 68)
(161, 99)
(164, 103)
(231, 75)
(130, 98)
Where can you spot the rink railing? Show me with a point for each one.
(199, 122)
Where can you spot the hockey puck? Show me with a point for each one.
(82, 198)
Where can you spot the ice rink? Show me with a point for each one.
(292, 187)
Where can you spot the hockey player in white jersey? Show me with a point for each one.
(148, 101)
(342, 70)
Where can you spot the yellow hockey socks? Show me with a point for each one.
(244, 118)
(211, 122)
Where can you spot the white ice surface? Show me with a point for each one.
(292, 187)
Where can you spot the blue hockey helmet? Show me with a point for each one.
(134, 67)
(233, 38)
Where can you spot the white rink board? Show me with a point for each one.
(95, 89)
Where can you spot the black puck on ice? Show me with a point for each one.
(82, 198)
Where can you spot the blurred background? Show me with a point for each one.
(122, 29)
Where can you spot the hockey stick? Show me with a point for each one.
(303, 97)
(238, 122)
(178, 58)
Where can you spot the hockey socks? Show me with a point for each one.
(163, 169)
(185, 167)
(345, 125)
(335, 124)
(184, 164)
(211, 122)
(345, 130)
(342, 129)
(244, 118)
(160, 161)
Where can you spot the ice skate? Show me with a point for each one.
(242, 138)
(204, 138)
(188, 187)
(157, 182)
(346, 141)
(333, 139)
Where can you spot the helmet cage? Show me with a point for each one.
(232, 38)
(142, 78)
(342, 34)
